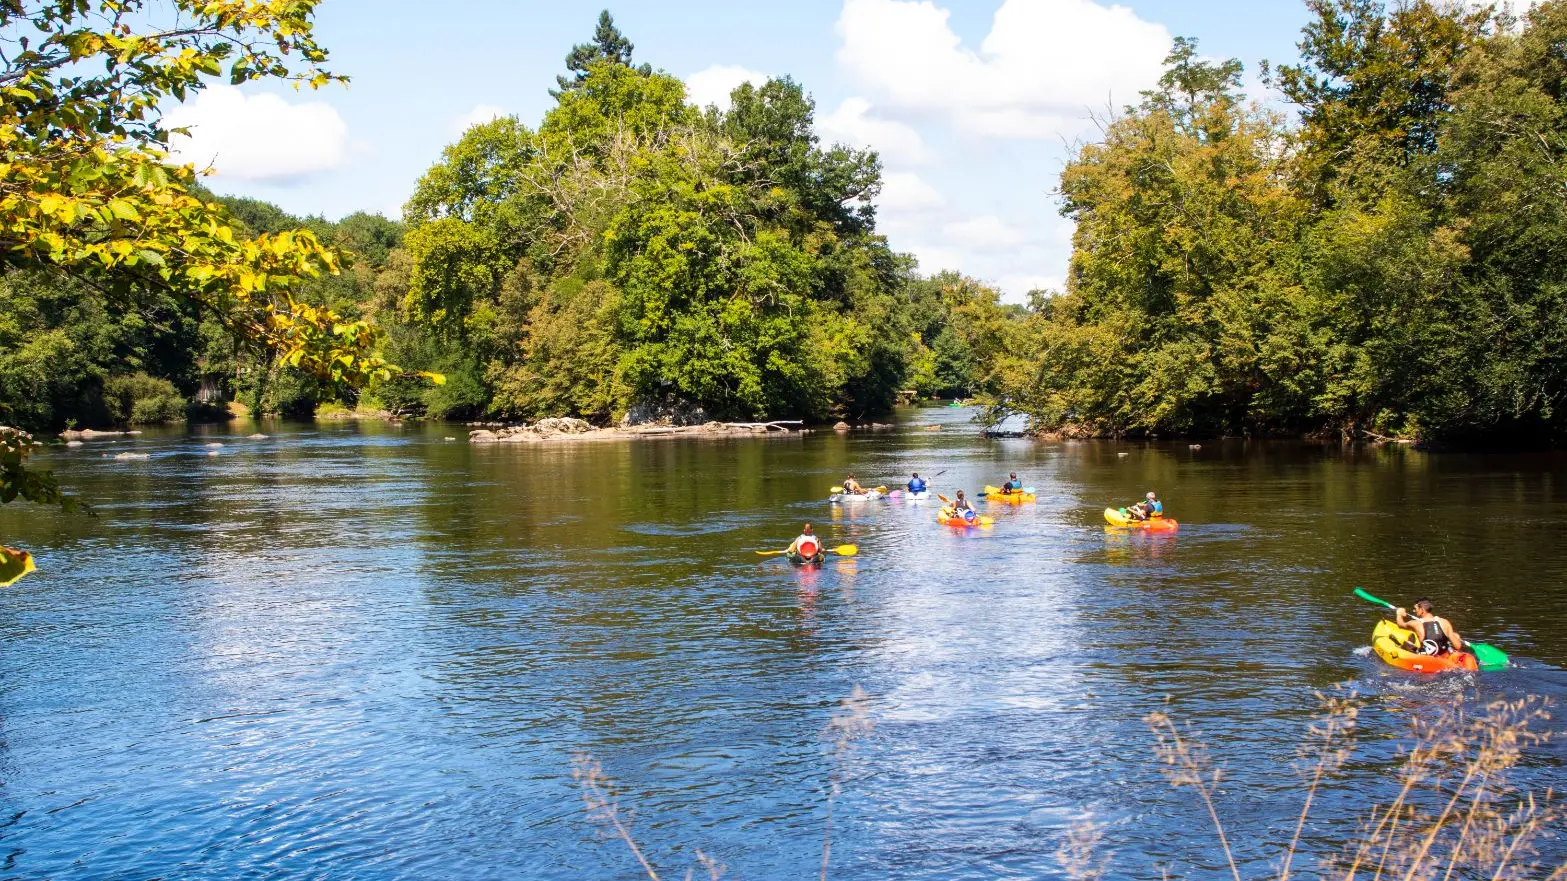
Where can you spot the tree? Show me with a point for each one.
(85, 191)
(608, 45)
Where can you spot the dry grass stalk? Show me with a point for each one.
(602, 805)
(1454, 814)
(1079, 854)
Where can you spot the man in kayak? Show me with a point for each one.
(916, 483)
(806, 547)
(1013, 485)
(1435, 635)
(1150, 506)
(851, 487)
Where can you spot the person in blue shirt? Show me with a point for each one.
(1150, 506)
(916, 483)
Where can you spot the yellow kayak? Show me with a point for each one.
(1389, 639)
(1114, 517)
(997, 494)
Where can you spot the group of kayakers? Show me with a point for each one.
(1433, 635)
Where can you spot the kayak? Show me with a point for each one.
(995, 494)
(1388, 640)
(920, 496)
(948, 517)
(1114, 517)
(814, 562)
(871, 496)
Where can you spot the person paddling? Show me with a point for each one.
(1434, 635)
(806, 547)
(916, 483)
(1150, 506)
(851, 487)
(1013, 485)
(962, 508)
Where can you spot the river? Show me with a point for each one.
(366, 651)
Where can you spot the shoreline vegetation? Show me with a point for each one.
(1380, 268)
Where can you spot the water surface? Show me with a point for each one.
(363, 651)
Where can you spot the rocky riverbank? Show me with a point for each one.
(580, 430)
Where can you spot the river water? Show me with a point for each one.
(366, 651)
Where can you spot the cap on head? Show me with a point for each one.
(1150, 495)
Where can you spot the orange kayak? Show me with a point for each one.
(1388, 640)
(949, 517)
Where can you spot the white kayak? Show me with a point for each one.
(917, 497)
(843, 498)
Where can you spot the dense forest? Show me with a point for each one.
(1390, 262)
(632, 254)
(1378, 254)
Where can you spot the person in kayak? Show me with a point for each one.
(1150, 506)
(806, 546)
(1013, 485)
(851, 487)
(916, 483)
(1435, 635)
(962, 508)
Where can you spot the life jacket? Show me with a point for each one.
(806, 546)
(1433, 639)
(1014, 486)
(917, 485)
(1157, 507)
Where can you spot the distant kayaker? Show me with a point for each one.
(1434, 634)
(1013, 485)
(851, 487)
(1150, 506)
(805, 545)
(916, 483)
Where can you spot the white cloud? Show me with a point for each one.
(852, 124)
(1043, 67)
(985, 233)
(904, 192)
(713, 85)
(481, 113)
(258, 137)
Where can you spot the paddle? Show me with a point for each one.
(838, 490)
(840, 550)
(1489, 656)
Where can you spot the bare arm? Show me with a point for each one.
(1401, 618)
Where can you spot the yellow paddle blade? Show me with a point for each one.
(770, 553)
(846, 550)
(943, 498)
(987, 522)
(13, 565)
(879, 489)
(837, 490)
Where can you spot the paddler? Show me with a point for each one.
(1150, 506)
(962, 508)
(1435, 635)
(916, 483)
(851, 487)
(1013, 485)
(806, 547)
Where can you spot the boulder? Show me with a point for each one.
(482, 436)
(562, 425)
(840, 426)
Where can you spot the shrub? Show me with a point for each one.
(139, 399)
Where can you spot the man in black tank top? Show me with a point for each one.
(1434, 634)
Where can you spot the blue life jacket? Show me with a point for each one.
(1014, 485)
(1158, 507)
(917, 485)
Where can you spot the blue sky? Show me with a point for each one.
(971, 102)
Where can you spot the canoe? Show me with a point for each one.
(1114, 517)
(1388, 641)
(995, 494)
(947, 517)
(871, 496)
